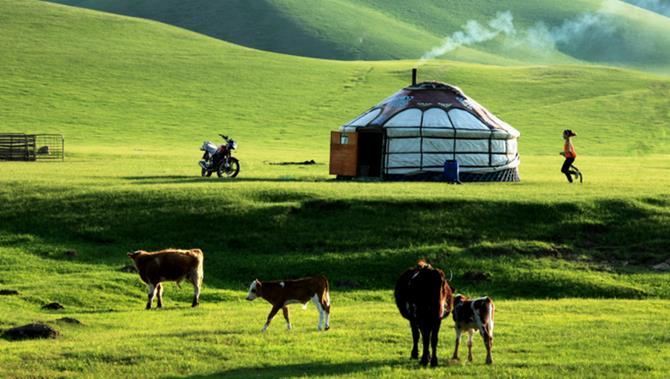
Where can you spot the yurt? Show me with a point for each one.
(411, 135)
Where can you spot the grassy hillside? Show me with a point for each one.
(619, 33)
(135, 98)
(106, 80)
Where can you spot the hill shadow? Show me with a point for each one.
(359, 244)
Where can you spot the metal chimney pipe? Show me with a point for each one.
(413, 76)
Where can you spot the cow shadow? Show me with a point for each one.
(311, 369)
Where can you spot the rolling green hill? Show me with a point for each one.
(610, 31)
(135, 98)
(102, 79)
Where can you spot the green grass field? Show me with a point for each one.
(570, 266)
(616, 338)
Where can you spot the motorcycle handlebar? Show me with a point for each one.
(224, 137)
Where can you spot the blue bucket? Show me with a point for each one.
(451, 171)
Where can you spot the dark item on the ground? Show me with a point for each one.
(663, 266)
(128, 268)
(69, 320)
(303, 163)
(424, 297)
(219, 159)
(8, 292)
(346, 284)
(71, 253)
(476, 276)
(53, 306)
(31, 147)
(30, 331)
(470, 316)
(171, 265)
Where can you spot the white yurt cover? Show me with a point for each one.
(428, 123)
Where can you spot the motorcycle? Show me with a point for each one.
(219, 159)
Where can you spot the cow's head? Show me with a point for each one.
(458, 299)
(254, 290)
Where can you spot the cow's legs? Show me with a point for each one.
(425, 339)
(159, 293)
(288, 322)
(197, 284)
(152, 293)
(433, 342)
(319, 308)
(326, 311)
(488, 343)
(415, 339)
(458, 341)
(271, 315)
(470, 332)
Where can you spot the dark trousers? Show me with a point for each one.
(566, 168)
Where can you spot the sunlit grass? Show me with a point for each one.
(135, 99)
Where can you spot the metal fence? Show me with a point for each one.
(31, 147)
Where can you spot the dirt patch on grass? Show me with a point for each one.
(53, 306)
(30, 331)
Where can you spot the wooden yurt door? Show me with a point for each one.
(344, 154)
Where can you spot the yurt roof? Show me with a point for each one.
(428, 104)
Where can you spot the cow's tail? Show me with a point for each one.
(200, 269)
(491, 309)
(488, 303)
(400, 294)
(326, 294)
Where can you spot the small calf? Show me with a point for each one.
(470, 315)
(169, 265)
(298, 291)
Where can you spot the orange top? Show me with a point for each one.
(569, 149)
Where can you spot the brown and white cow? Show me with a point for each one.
(474, 315)
(171, 265)
(424, 297)
(281, 293)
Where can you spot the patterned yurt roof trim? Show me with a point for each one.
(426, 96)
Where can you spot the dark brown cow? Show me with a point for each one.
(169, 265)
(281, 293)
(423, 296)
(471, 315)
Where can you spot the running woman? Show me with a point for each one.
(569, 154)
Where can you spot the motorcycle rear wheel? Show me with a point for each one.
(229, 170)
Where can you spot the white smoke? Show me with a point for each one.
(540, 37)
(473, 32)
(544, 38)
(658, 6)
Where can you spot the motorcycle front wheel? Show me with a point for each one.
(205, 173)
(229, 169)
